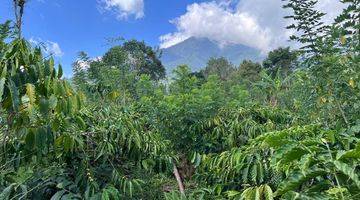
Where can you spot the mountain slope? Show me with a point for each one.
(195, 52)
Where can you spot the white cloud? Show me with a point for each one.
(85, 64)
(256, 23)
(124, 8)
(171, 39)
(49, 47)
(332, 8)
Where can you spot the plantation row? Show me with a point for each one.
(286, 128)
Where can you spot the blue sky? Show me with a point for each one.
(70, 26)
(81, 25)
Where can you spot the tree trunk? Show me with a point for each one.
(178, 178)
(273, 101)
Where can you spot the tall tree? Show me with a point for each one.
(348, 22)
(144, 59)
(246, 74)
(183, 81)
(308, 24)
(281, 59)
(5, 32)
(79, 68)
(19, 6)
(249, 71)
(220, 67)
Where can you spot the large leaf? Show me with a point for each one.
(44, 106)
(14, 95)
(351, 154)
(2, 84)
(41, 138)
(296, 180)
(30, 92)
(349, 171)
(58, 195)
(267, 192)
(60, 72)
(5, 194)
(30, 140)
(4, 72)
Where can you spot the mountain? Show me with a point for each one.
(195, 52)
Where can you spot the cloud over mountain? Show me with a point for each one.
(255, 23)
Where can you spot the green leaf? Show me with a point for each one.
(232, 193)
(80, 122)
(254, 173)
(30, 139)
(245, 172)
(2, 84)
(257, 193)
(14, 67)
(349, 171)
(52, 102)
(249, 193)
(60, 72)
(291, 154)
(49, 67)
(5, 194)
(336, 190)
(58, 195)
(41, 138)
(14, 92)
(4, 72)
(267, 192)
(44, 106)
(351, 154)
(355, 129)
(131, 188)
(30, 92)
(58, 88)
(297, 180)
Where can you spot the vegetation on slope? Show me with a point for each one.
(284, 129)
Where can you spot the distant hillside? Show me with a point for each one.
(195, 52)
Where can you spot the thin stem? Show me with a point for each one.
(24, 194)
(336, 178)
(342, 114)
(19, 11)
(178, 179)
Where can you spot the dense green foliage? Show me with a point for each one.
(288, 128)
